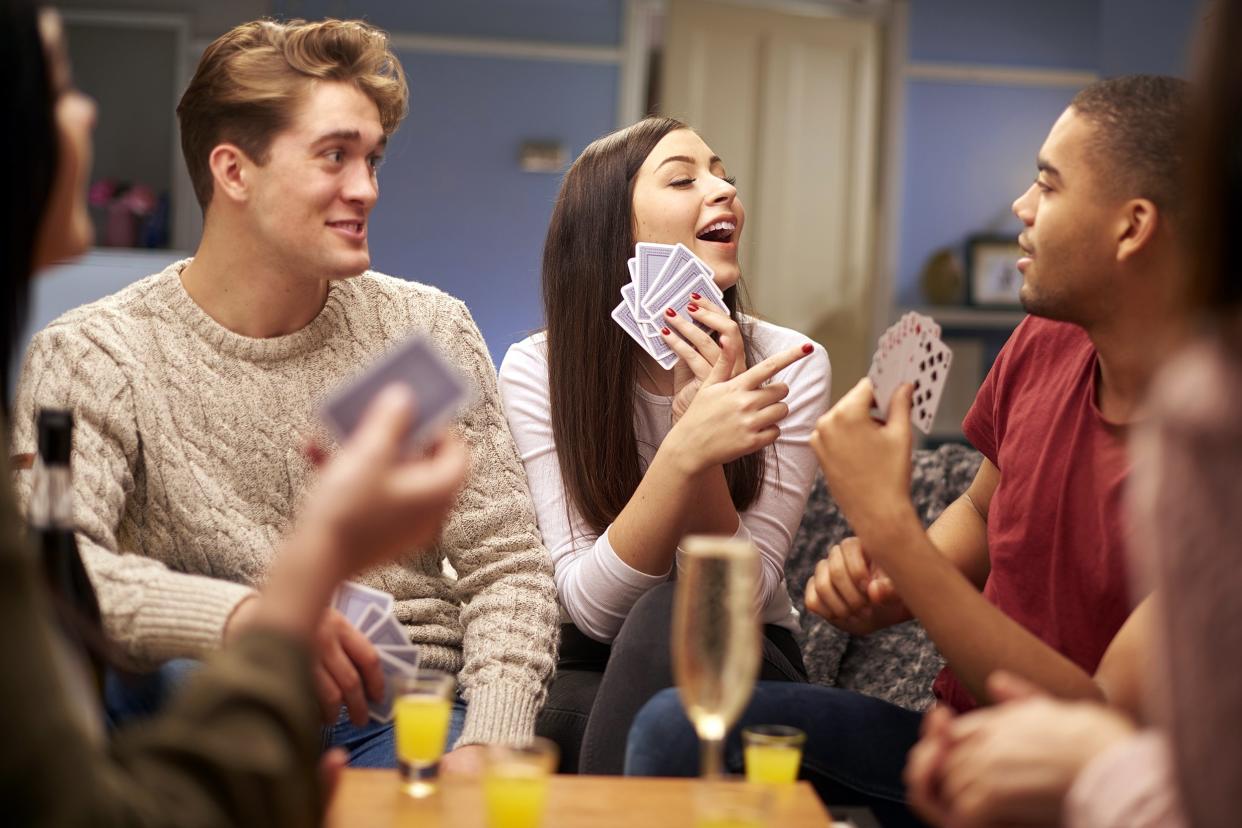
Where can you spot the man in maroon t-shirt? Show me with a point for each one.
(1040, 529)
(1025, 572)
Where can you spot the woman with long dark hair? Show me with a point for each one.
(624, 458)
(242, 744)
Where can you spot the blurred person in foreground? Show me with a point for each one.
(241, 744)
(196, 387)
(1038, 761)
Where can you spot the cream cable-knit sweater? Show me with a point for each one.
(189, 467)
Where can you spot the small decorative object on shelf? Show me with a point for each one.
(942, 277)
(993, 279)
(132, 215)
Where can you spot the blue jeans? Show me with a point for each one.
(133, 698)
(136, 696)
(855, 748)
(373, 745)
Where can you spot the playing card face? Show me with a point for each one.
(910, 351)
(393, 668)
(888, 368)
(352, 600)
(439, 391)
(931, 360)
(388, 633)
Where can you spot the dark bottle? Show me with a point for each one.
(51, 522)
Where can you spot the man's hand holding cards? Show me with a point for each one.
(370, 611)
(911, 352)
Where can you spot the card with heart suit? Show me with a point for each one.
(910, 351)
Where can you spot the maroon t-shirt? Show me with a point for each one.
(1055, 530)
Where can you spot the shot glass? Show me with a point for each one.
(772, 753)
(422, 709)
(515, 783)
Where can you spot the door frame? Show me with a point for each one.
(641, 16)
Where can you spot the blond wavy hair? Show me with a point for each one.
(251, 80)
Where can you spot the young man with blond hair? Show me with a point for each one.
(196, 388)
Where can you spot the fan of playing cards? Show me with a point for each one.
(911, 351)
(371, 612)
(661, 276)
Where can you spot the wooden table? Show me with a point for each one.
(374, 798)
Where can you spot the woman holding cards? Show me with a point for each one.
(624, 457)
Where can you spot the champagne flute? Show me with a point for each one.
(715, 643)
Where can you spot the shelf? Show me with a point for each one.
(960, 316)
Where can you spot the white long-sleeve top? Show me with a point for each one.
(597, 588)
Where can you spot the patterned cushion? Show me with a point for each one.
(900, 663)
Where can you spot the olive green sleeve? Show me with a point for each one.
(238, 746)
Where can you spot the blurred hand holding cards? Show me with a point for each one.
(370, 611)
(661, 276)
(910, 351)
(439, 392)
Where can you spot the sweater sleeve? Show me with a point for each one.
(239, 745)
(596, 588)
(504, 574)
(153, 612)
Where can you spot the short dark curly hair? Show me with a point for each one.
(1141, 135)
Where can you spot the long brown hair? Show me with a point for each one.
(591, 361)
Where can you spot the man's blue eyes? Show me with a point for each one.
(336, 157)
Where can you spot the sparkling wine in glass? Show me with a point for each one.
(716, 645)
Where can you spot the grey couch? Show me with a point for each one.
(900, 663)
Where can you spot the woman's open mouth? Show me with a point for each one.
(720, 231)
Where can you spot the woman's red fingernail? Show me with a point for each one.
(807, 348)
(665, 331)
(695, 296)
(692, 307)
(670, 312)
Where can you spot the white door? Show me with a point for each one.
(791, 103)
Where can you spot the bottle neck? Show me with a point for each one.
(51, 501)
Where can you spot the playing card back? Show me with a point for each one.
(439, 391)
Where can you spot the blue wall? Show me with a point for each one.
(581, 22)
(969, 149)
(455, 209)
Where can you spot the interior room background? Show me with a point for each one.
(876, 142)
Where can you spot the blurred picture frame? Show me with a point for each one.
(992, 276)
